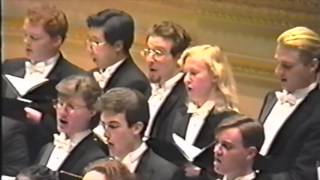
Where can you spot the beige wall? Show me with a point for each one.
(246, 29)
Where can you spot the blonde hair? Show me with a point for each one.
(218, 63)
(54, 20)
(303, 39)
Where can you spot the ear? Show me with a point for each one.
(137, 127)
(252, 152)
(93, 113)
(315, 64)
(57, 41)
(118, 45)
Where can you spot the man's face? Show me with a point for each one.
(102, 53)
(291, 71)
(231, 157)
(73, 115)
(198, 80)
(121, 138)
(160, 62)
(39, 45)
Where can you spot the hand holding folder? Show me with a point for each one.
(180, 152)
(19, 93)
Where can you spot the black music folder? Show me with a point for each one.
(18, 93)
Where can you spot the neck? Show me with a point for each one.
(240, 173)
(168, 76)
(132, 147)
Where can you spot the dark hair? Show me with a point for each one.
(84, 86)
(251, 130)
(171, 31)
(37, 172)
(54, 20)
(132, 103)
(117, 25)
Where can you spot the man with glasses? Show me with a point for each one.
(110, 37)
(76, 145)
(44, 31)
(165, 42)
(291, 117)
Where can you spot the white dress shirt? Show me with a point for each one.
(197, 119)
(59, 155)
(279, 114)
(250, 176)
(157, 98)
(46, 67)
(132, 159)
(103, 76)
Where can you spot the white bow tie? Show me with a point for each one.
(193, 109)
(101, 78)
(61, 142)
(35, 68)
(285, 97)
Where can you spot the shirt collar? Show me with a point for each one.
(50, 61)
(77, 137)
(301, 93)
(249, 176)
(170, 83)
(111, 69)
(136, 154)
(205, 108)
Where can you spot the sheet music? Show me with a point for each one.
(23, 86)
(188, 150)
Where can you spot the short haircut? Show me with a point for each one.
(303, 39)
(83, 86)
(171, 31)
(132, 103)
(54, 20)
(117, 25)
(251, 130)
(111, 168)
(37, 172)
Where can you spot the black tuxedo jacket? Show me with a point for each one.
(166, 114)
(128, 75)
(205, 137)
(296, 147)
(40, 134)
(153, 167)
(88, 150)
(14, 149)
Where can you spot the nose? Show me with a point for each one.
(278, 70)
(149, 58)
(187, 78)
(217, 150)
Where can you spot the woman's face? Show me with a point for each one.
(199, 80)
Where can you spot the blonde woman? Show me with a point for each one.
(212, 97)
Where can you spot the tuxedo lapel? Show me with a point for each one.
(271, 99)
(144, 169)
(181, 123)
(120, 71)
(20, 70)
(169, 106)
(46, 154)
